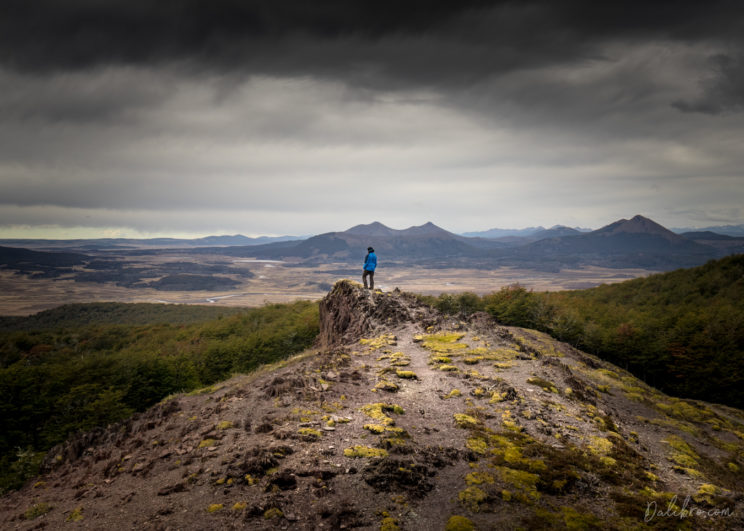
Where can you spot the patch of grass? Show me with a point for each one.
(454, 393)
(214, 507)
(206, 443)
(225, 425)
(406, 375)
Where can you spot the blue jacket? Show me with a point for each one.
(370, 262)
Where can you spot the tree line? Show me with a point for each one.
(57, 380)
(682, 332)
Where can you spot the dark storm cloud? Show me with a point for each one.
(267, 116)
(373, 42)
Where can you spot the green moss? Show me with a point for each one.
(453, 393)
(393, 441)
(443, 342)
(567, 518)
(206, 443)
(733, 467)
(408, 375)
(378, 412)
(76, 515)
(472, 360)
(709, 494)
(525, 483)
(459, 523)
(682, 454)
(447, 368)
(389, 524)
(365, 451)
(379, 342)
(202, 391)
(465, 421)
(213, 508)
(239, 506)
(440, 359)
(477, 445)
(600, 445)
(546, 385)
(37, 510)
(309, 434)
(272, 513)
(472, 497)
(478, 478)
(224, 425)
(384, 385)
(374, 428)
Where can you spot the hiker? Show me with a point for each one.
(370, 263)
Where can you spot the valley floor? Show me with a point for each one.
(282, 282)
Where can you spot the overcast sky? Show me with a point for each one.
(132, 118)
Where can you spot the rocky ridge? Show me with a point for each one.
(403, 419)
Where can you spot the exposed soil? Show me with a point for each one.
(401, 417)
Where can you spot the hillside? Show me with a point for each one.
(403, 419)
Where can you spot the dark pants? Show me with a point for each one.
(371, 275)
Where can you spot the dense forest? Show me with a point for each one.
(682, 332)
(86, 365)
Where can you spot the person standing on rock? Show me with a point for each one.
(370, 263)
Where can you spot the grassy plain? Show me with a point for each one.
(284, 282)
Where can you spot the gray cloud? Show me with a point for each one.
(238, 117)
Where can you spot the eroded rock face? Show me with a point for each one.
(350, 312)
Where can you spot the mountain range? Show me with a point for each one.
(637, 242)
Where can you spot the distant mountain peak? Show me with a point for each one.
(372, 229)
(426, 228)
(637, 225)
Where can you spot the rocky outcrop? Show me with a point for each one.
(350, 312)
